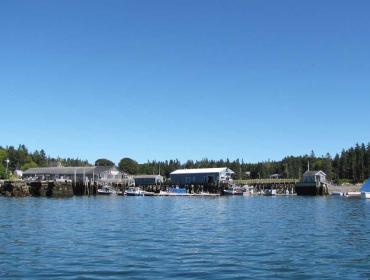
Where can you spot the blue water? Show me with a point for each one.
(184, 238)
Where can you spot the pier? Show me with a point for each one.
(282, 186)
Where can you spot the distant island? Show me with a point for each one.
(351, 165)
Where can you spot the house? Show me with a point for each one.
(201, 176)
(147, 180)
(102, 174)
(275, 176)
(314, 177)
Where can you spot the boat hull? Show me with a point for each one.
(103, 193)
(134, 194)
(229, 192)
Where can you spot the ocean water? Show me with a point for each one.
(185, 238)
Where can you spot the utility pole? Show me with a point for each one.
(7, 166)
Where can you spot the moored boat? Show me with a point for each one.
(233, 190)
(105, 190)
(134, 191)
(337, 193)
(353, 194)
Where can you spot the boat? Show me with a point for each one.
(337, 193)
(353, 194)
(105, 190)
(134, 191)
(248, 190)
(269, 192)
(233, 190)
(174, 191)
(365, 189)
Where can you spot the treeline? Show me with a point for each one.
(21, 158)
(351, 164)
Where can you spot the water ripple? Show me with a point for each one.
(184, 238)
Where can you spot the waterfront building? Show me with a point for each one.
(201, 176)
(313, 183)
(147, 180)
(84, 174)
(314, 177)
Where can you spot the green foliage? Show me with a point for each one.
(21, 158)
(104, 162)
(28, 165)
(2, 172)
(352, 165)
(128, 165)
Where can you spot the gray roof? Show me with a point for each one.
(313, 173)
(202, 171)
(67, 170)
(148, 176)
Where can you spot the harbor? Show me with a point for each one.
(90, 181)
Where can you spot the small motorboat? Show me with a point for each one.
(354, 194)
(269, 192)
(134, 191)
(337, 193)
(105, 190)
(248, 190)
(233, 190)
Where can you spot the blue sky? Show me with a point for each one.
(156, 80)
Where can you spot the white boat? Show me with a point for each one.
(134, 191)
(354, 194)
(269, 192)
(233, 190)
(105, 190)
(248, 190)
(337, 193)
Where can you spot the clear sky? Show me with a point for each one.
(156, 80)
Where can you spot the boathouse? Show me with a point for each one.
(147, 180)
(201, 176)
(314, 177)
(102, 174)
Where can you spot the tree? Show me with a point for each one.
(104, 162)
(128, 165)
(29, 165)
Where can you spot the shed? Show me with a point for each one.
(314, 177)
(147, 180)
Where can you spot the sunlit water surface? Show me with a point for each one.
(184, 238)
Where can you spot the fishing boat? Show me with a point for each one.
(134, 191)
(248, 190)
(337, 193)
(269, 192)
(174, 191)
(233, 190)
(353, 194)
(105, 190)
